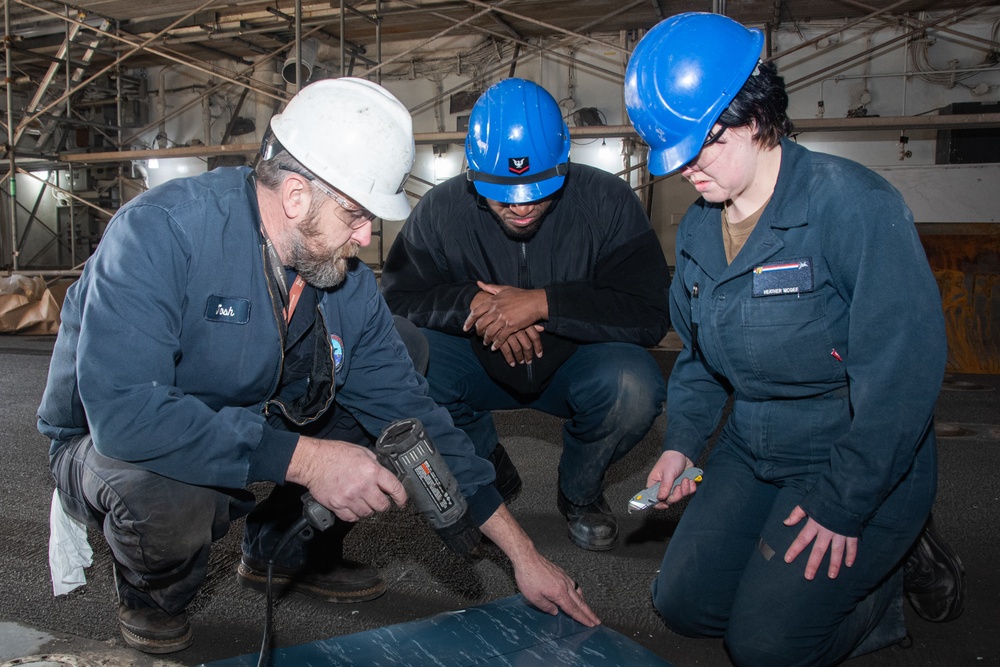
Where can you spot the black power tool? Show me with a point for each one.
(406, 449)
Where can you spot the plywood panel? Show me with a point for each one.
(965, 259)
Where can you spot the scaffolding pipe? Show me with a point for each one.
(143, 46)
(378, 38)
(298, 45)
(69, 112)
(12, 166)
(120, 135)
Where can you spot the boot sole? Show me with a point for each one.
(156, 646)
(257, 581)
(606, 545)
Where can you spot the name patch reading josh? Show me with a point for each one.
(227, 309)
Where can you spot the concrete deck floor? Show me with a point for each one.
(424, 579)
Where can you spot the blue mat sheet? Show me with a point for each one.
(503, 632)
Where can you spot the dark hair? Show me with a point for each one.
(761, 100)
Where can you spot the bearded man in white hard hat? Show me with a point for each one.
(223, 334)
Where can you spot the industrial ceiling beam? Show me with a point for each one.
(549, 26)
(436, 36)
(864, 124)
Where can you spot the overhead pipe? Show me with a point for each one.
(278, 96)
(537, 51)
(548, 26)
(867, 52)
(830, 33)
(437, 36)
(924, 24)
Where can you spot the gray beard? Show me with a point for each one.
(318, 267)
(322, 274)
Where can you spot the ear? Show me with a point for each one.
(295, 196)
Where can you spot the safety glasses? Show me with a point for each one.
(357, 217)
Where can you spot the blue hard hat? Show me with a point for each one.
(518, 144)
(682, 75)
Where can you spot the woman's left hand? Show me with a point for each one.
(843, 549)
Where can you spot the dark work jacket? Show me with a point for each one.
(595, 255)
(171, 348)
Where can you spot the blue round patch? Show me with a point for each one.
(338, 351)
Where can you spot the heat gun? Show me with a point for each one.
(405, 448)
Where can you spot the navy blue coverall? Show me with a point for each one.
(827, 333)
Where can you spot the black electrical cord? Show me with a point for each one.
(314, 517)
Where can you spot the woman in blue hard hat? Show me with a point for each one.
(802, 294)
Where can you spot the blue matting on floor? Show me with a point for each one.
(504, 632)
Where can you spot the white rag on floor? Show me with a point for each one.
(69, 551)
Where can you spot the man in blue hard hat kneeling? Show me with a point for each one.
(537, 283)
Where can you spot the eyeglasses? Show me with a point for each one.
(700, 161)
(713, 137)
(357, 217)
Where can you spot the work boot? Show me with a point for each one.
(343, 581)
(152, 630)
(934, 578)
(591, 527)
(508, 482)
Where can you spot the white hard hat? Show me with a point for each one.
(354, 135)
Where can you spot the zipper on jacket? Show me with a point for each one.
(524, 279)
(280, 322)
(694, 323)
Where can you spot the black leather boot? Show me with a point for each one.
(591, 527)
(934, 578)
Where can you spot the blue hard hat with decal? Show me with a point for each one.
(682, 75)
(518, 144)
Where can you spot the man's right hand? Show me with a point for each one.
(346, 479)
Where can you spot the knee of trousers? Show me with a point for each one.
(631, 392)
(154, 533)
(679, 611)
(760, 639)
(764, 648)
